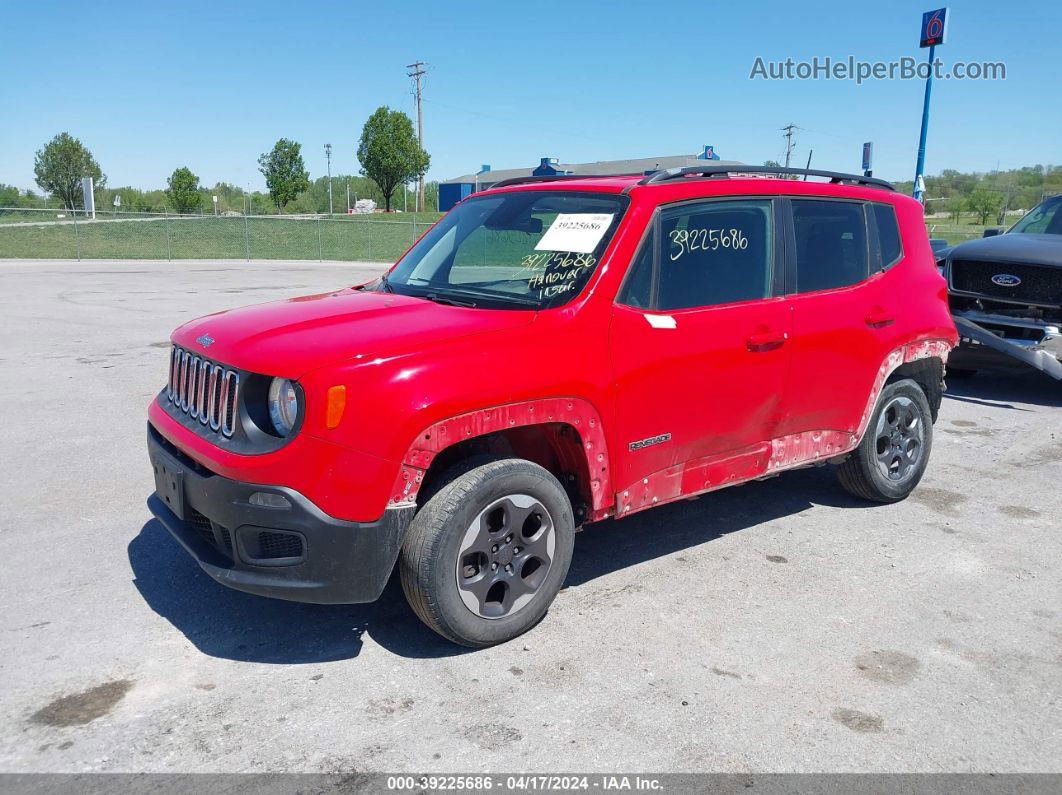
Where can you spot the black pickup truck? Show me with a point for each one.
(1005, 291)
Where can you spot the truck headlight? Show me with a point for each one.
(283, 405)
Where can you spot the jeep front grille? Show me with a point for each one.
(204, 390)
(1039, 285)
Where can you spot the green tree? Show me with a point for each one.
(982, 203)
(183, 190)
(9, 196)
(61, 165)
(389, 152)
(954, 207)
(284, 171)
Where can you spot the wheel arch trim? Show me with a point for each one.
(577, 413)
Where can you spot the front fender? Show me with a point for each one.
(578, 413)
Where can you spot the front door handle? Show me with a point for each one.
(879, 318)
(766, 341)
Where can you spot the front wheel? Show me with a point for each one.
(894, 451)
(484, 558)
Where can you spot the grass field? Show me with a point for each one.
(968, 227)
(191, 237)
(343, 237)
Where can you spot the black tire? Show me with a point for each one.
(445, 542)
(958, 373)
(883, 468)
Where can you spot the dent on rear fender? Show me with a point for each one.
(575, 412)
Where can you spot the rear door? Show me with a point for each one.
(699, 340)
(841, 316)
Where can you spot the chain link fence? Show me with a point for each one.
(53, 234)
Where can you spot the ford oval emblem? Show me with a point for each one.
(1006, 280)
(206, 340)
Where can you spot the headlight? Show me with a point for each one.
(283, 405)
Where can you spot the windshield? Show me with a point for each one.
(1044, 218)
(525, 249)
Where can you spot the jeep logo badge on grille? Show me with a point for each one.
(1006, 280)
(206, 340)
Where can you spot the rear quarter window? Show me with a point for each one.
(889, 245)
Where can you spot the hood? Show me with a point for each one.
(290, 338)
(1013, 247)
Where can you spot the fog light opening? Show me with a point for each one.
(265, 499)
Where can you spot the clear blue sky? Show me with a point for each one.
(152, 86)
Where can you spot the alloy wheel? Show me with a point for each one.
(505, 555)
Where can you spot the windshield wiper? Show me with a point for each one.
(445, 299)
(493, 295)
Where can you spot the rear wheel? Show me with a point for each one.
(485, 556)
(894, 451)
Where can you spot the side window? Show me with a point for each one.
(888, 234)
(638, 288)
(715, 253)
(831, 244)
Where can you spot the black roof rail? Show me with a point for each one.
(556, 178)
(724, 172)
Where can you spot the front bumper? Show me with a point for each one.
(996, 341)
(296, 552)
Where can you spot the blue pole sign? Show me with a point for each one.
(868, 158)
(934, 28)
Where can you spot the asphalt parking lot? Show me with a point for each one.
(779, 626)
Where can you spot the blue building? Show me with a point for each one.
(451, 191)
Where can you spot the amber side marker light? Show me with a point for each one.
(337, 402)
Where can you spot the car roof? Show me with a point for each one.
(672, 186)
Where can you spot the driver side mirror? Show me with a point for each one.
(992, 231)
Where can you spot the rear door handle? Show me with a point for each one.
(879, 318)
(766, 341)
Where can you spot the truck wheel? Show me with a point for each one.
(485, 556)
(894, 450)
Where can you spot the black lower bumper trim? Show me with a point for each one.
(212, 518)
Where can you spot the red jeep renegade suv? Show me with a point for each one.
(553, 351)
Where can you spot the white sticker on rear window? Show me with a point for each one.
(576, 232)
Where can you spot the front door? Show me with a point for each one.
(699, 347)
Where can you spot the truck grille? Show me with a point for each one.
(204, 390)
(1039, 285)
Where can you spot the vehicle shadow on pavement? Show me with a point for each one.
(1002, 390)
(224, 623)
(607, 546)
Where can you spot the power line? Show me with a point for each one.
(418, 71)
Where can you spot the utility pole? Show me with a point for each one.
(328, 157)
(416, 74)
(788, 130)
